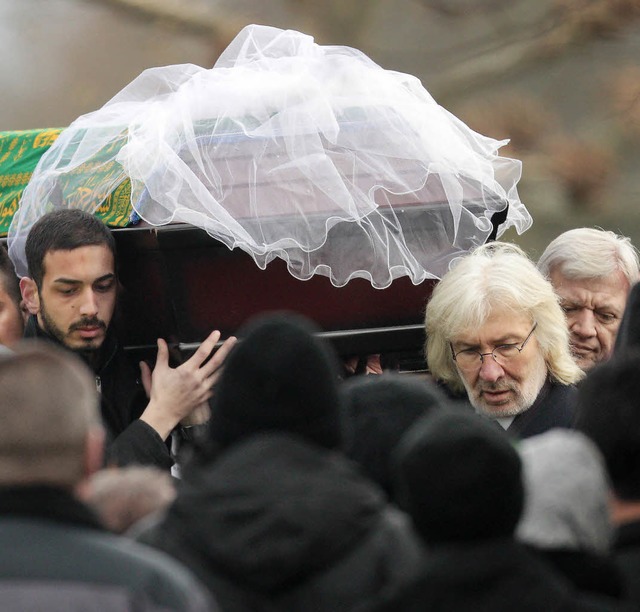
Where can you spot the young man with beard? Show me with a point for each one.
(495, 330)
(592, 271)
(71, 294)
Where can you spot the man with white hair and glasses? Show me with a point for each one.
(495, 329)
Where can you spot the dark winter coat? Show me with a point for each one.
(587, 571)
(56, 557)
(129, 440)
(277, 523)
(555, 406)
(626, 552)
(496, 575)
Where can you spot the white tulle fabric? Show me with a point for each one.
(289, 149)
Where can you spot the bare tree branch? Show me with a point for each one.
(564, 26)
(461, 8)
(338, 21)
(194, 17)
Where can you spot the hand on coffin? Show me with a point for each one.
(199, 416)
(177, 393)
(371, 366)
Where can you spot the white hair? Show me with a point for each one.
(495, 275)
(587, 252)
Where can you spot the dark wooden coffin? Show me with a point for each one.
(179, 284)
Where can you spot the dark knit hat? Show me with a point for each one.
(279, 377)
(628, 336)
(378, 410)
(459, 478)
(608, 413)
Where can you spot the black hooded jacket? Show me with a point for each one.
(494, 575)
(129, 440)
(277, 523)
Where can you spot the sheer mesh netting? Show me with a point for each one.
(289, 149)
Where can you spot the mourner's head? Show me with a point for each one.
(72, 283)
(608, 413)
(592, 271)
(459, 479)
(51, 432)
(495, 328)
(11, 315)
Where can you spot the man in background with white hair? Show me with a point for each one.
(592, 271)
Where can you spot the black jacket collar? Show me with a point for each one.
(627, 535)
(46, 502)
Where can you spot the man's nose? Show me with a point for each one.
(583, 323)
(89, 304)
(490, 369)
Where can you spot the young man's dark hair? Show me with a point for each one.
(64, 230)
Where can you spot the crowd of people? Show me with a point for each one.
(507, 478)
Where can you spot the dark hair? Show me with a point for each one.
(64, 230)
(459, 478)
(280, 377)
(378, 410)
(10, 280)
(608, 413)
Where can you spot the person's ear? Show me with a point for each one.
(30, 295)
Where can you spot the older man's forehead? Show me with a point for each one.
(502, 326)
(596, 293)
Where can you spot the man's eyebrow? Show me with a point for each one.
(570, 302)
(75, 281)
(497, 342)
(600, 306)
(68, 281)
(607, 306)
(110, 276)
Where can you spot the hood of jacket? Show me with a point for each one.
(567, 493)
(274, 510)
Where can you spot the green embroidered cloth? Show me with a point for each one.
(20, 152)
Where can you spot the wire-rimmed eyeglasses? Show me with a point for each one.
(469, 359)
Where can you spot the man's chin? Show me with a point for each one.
(586, 359)
(586, 362)
(85, 346)
(498, 410)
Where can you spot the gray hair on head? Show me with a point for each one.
(587, 252)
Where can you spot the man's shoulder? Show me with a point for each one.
(559, 391)
(67, 552)
(554, 407)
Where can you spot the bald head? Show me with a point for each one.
(48, 409)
